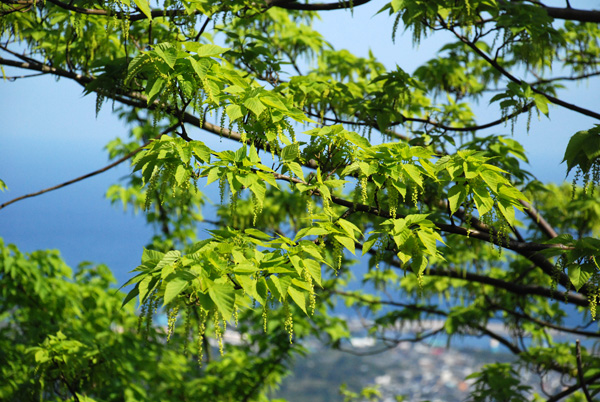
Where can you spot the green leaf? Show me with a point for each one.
(541, 102)
(214, 174)
(314, 269)
(167, 52)
(255, 106)
(155, 90)
(181, 174)
(275, 287)
(203, 50)
(257, 233)
(201, 151)
(224, 298)
(563, 238)
(201, 67)
(579, 147)
(132, 294)
(151, 255)
(299, 297)
(507, 210)
(290, 152)
(429, 241)
(483, 201)
(369, 243)
(259, 189)
(174, 287)
(456, 196)
(414, 173)
(234, 112)
(296, 169)
(579, 274)
(273, 101)
(349, 227)
(397, 5)
(144, 6)
(146, 286)
(346, 242)
(311, 231)
(492, 179)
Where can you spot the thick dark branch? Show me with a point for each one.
(518, 246)
(509, 345)
(82, 79)
(527, 250)
(573, 14)
(512, 287)
(109, 13)
(294, 5)
(475, 127)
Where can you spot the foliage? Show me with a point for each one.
(65, 335)
(315, 168)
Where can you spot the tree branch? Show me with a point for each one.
(523, 290)
(528, 250)
(484, 331)
(156, 13)
(545, 323)
(294, 5)
(539, 220)
(511, 77)
(573, 14)
(572, 389)
(580, 372)
(525, 249)
(86, 176)
(432, 122)
(37, 66)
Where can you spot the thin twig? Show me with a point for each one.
(580, 372)
(80, 178)
(571, 389)
(511, 77)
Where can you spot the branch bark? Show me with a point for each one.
(294, 5)
(573, 14)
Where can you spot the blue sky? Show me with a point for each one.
(50, 134)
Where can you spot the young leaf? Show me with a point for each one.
(174, 287)
(314, 269)
(290, 152)
(299, 297)
(346, 242)
(255, 106)
(224, 298)
(579, 274)
(144, 6)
